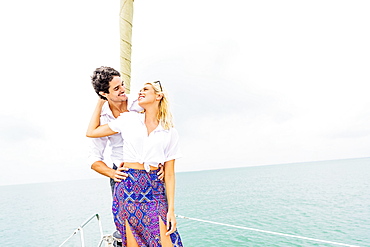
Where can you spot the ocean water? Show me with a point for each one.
(327, 200)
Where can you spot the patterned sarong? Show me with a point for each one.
(141, 200)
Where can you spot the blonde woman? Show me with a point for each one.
(143, 205)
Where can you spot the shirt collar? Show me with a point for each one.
(159, 127)
(107, 111)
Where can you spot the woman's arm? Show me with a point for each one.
(95, 129)
(169, 180)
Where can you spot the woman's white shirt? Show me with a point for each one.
(97, 145)
(151, 150)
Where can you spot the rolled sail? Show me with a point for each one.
(126, 13)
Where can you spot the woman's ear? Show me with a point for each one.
(159, 96)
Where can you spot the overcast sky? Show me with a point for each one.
(251, 82)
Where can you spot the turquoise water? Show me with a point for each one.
(328, 200)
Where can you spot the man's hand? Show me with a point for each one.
(160, 173)
(119, 174)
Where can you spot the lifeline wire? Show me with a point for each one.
(275, 233)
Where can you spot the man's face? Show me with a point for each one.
(116, 90)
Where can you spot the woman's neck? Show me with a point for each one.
(151, 120)
(151, 114)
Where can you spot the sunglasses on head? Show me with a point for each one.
(159, 85)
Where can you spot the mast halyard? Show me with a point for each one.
(125, 23)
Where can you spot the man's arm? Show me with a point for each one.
(96, 156)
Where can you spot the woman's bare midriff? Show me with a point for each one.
(137, 166)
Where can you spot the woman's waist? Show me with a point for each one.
(138, 166)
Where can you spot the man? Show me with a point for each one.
(108, 85)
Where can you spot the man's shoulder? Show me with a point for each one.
(105, 109)
(106, 114)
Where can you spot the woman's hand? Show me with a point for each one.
(101, 101)
(160, 173)
(171, 223)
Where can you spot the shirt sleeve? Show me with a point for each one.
(134, 105)
(116, 125)
(172, 150)
(96, 149)
(123, 122)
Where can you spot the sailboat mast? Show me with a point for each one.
(125, 23)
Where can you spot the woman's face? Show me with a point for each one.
(147, 95)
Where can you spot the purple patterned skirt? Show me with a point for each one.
(141, 200)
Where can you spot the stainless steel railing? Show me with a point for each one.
(103, 238)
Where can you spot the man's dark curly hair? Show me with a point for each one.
(101, 78)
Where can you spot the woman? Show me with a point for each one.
(143, 205)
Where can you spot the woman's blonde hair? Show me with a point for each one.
(164, 114)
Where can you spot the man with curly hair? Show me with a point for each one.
(108, 85)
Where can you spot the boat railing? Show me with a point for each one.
(110, 240)
(107, 239)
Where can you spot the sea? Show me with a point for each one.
(323, 203)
